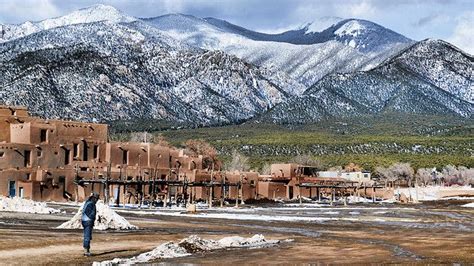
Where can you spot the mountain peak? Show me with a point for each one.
(90, 14)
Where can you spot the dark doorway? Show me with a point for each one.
(12, 189)
(27, 161)
(124, 157)
(85, 149)
(75, 149)
(43, 135)
(67, 156)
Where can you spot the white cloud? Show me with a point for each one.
(356, 9)
(173, 6)
(27, 10)
(463, 35)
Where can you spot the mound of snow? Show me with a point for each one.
(469, 205)
(106, 218)
(434, 192)
(193, 244)
(355, 199)
(24, 205)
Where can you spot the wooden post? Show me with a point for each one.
(332, 193)
(299, 186)
(373, 194)
(237, 196)
(77, 184)
(210, 194)
(222, 190)
(319, 194)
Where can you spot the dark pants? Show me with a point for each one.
(87, 234)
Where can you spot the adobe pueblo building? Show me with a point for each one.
(55, 160)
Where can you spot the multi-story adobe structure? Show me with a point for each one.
(56, 160)
(41, 159)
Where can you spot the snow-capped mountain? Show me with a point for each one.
(306, 56)
(100, 64)
(85, 15)
(438, 81)
(108, 71)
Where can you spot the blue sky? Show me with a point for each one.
(450, 20)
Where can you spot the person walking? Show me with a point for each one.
(88, 219)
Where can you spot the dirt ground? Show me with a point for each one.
(32, 239)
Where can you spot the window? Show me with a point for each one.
(124, 157)
(27, 161)
(75, 149)
(28, 176)
(43, 135)
(96, 152)
(39, 153)
(67, 154)
(2, 154)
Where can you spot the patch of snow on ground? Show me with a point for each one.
(355, 199)
(194, 244)
(24, 205)
(432, 192)
(109, 219)
(469, 205)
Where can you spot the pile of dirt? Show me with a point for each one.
(24, 205)
(106, 218)
(194, 244)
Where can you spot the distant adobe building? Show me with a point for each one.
(56, 160)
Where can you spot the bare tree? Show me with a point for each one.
(352, 167)
(403, 171)
(425, 176)
(307, 160)
(140, 137)
(200, 147)
(450, 174)
(466, 175)
(396, 172)
(160, 140)
(266, 169)
(336, 168)
(239, 162)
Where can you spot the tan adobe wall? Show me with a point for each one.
(13, 111)
(284, 170)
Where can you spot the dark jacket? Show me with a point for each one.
(89, 211)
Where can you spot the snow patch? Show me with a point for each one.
(109, 219)
(194, 244)
(469, 205)
(17, 204)
(352, 28)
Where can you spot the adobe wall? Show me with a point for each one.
(284, 170)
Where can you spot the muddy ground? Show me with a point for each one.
(441, 232)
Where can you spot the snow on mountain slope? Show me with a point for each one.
(106, 71)
(85, 15)
(366, 36)
(441, 64)
(407, 83)
(305, 63)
